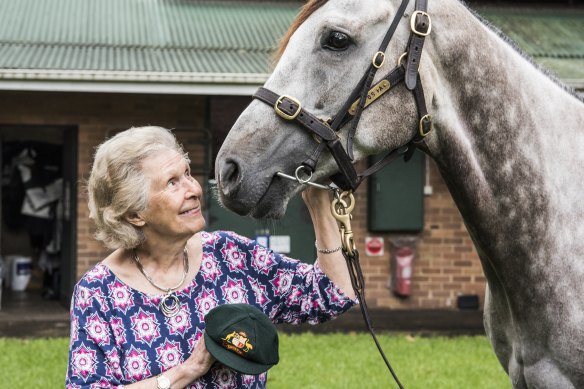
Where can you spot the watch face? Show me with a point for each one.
(163, 382)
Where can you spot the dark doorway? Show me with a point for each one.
(38, 209)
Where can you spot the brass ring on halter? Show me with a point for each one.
(401, 57)
(303, 180)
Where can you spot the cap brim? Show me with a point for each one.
(233, 360)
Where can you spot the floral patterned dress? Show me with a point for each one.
(119, 336)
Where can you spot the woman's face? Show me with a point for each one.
(174, 206)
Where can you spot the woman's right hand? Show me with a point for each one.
(196, 366)
(200, 361)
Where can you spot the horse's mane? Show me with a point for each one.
(307, 10)
(526, 56)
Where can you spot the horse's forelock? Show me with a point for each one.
(307, 10)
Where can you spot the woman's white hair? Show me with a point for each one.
(117, 186)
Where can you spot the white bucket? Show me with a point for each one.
(20, 272)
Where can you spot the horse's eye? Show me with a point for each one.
(337, 40)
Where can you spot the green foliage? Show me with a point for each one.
(331, 361)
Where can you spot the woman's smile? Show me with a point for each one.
(191, 212)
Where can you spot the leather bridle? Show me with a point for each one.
(325, 132)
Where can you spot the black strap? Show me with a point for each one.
(420, 24)
(290, 107)
(394, 77)
(294, 112)
(358, 284)
(386, 160)
(311, 161)
(376, 63)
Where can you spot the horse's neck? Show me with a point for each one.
(508, 143)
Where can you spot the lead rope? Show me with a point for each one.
(341, 207)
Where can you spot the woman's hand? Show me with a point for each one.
(316, 200)
(196, 366)
(326, 230)
(200, 361)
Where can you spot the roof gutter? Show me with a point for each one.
(100, 81)
(49, 80)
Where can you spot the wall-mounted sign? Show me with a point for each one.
(374, 246)
(278, 243)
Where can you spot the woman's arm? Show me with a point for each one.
(328, 236)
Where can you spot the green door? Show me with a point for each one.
(396, 196)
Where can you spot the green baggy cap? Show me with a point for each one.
(241, 337)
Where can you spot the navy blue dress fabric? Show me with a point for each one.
(119, 335)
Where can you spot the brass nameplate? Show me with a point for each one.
(374, 93)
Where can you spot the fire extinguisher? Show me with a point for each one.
(401, 275)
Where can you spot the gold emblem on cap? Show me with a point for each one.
(238, 342)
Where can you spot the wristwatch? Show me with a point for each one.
(163, 382)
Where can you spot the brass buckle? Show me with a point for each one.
(413, 23)
(284, 114)
(425, 117)
(374, 60)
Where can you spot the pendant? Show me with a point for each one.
(169, 305)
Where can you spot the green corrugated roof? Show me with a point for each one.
(141, 35)
(553, 37)
(237, 37)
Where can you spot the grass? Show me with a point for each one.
(352, 361)
(33, 363)
(332, 361)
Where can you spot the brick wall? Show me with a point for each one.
(446, 264)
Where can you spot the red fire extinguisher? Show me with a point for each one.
(401, 275)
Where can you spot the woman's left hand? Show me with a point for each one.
(328, 236)
(317, 200)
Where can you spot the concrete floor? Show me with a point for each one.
(27, 314)
(421, 322)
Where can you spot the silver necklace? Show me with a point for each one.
(169, 305)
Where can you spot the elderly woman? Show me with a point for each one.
(137, 317)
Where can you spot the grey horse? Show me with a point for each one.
(507, 139)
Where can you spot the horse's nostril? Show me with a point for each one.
(230, 177)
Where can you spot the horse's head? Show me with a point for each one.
(330, 47)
